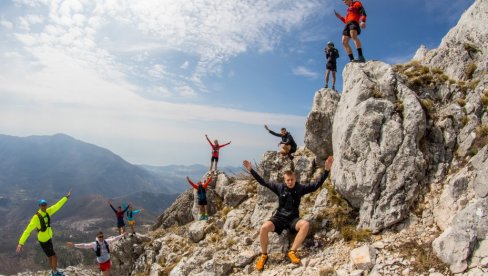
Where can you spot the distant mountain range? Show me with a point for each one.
(49, 166)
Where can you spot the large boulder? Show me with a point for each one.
(318, 134)
(378, 163)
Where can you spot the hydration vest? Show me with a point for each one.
(44, 226)
(99, 251)
(201, 192)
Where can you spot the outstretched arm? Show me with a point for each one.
(221, 146)
(339, 16)
(116, 238)
(89, 245)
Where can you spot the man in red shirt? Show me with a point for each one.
(355, 20)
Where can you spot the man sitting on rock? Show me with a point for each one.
(287, 214)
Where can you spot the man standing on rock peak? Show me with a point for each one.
(355, 20)
(42, 222)
(287, 214)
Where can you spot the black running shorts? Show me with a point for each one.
(281, 223)
(216, 159)
(332, 66)
(353, 25)
(48, 248)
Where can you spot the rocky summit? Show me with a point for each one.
(408, 188)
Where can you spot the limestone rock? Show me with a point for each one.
(378, 163)
(318, 134)
(197, 230)
(363, 257)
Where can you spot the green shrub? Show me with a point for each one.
(470, 48)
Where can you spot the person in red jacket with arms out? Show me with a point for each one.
(201, 196)
(215, 152)
(355, 20)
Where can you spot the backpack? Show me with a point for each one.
(201, 192)
(44, 226)
(99, 251)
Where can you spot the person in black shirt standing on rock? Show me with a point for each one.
(331, 54)
(287, 214)
(289, 145)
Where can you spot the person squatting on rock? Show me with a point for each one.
(355, 20)
(130, 218)
(201, 196)
(287, 214)
(331, 54)
(288, 143)
(41, 221)
(215, 152)
(119, 213)
(101, 248)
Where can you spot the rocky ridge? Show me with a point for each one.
(407, 193)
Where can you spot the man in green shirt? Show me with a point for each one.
(42, 222)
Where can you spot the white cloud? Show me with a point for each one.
(83, 65)
(6, 24)
(305, 72)
(185, 65)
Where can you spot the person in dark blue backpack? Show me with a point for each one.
(202, 196)
(101, 248)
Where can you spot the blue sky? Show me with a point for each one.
(148, 79)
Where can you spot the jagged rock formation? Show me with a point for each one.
(318, 136)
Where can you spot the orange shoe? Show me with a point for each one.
(261, 262)
(293, 257)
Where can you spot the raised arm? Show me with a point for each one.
(54, 208)
(209, 140)
(207, 182)
(126, 208)
(272, 186)
(191, 183)
(110, 203)
(271, 132)
(312, 187)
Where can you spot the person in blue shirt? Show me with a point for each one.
(130, 218)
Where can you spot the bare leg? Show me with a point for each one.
(53, 262)
(302, 227)
(327, 77)
(216, 162)
(132, 228)
(267, 227)
(206, 209)
(345, 42)
(333, 79)
(106, 273)
(355, 38)
(211, 165)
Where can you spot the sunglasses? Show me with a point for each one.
(100, 237)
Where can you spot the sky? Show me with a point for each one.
(148, 79)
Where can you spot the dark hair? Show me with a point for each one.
(283, 129)
(289, 173)
(99, 233)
